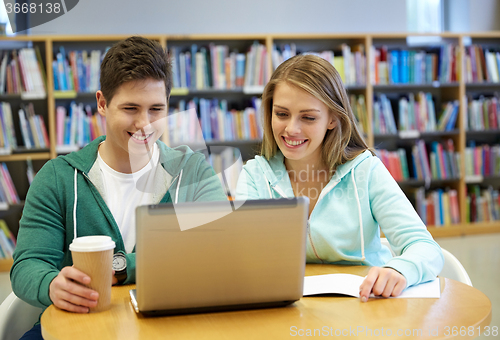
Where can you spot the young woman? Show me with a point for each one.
(311, 147)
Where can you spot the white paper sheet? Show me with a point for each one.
(348, 284)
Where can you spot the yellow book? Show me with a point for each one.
(446, 209)
(338, 63)
(7, 232)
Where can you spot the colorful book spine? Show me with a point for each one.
(217, 122)
(77, 129)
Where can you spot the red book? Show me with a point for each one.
(383, 53)
(431, 219)
(453, 74)
(492, 113)
(486, 160)
(22, 69)
(442, 161)
(455, 215)
(477, 160)
(483, 64)
(393, 166)
(377, 60)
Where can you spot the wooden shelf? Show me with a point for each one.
(25, 156)
(465, 229)
(6, 264)
(448, 91)
(412, 86)
(481, 228)
(445, 231)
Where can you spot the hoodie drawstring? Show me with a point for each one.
(74, 207)
(359, 216)
(178, 186)
(269, 189)
(276, 188)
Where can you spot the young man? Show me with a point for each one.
(104, 182)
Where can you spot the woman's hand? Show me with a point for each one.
(382, 281)
(68, 292)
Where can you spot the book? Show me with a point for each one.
(8, 233)
(348, 284)
(8, 185)
(25, 129)
(5, 245)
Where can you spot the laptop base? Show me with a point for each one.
(209, 309)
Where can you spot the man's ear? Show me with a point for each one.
(101, 103)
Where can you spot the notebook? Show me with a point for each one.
(214, 256)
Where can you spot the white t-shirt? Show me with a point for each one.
(124, 192)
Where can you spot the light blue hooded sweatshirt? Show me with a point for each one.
(344, 224)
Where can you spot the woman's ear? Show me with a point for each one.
(332, 122)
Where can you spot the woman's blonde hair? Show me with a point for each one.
(319, 78)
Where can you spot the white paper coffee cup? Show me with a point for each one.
(93, 255)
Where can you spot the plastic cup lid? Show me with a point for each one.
(92, 243)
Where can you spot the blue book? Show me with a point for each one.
(81, 73)
(394, 66)
(227, 126)
(418, 76)
(60, 72)
(404, 67)
(205, 121)
(67, 122)
(439, 171)
(414, 158)
(214, 119)
(440, 200)
(187, 55)
(442, 65)
(497, 55)
(67, 82)
(194, 49)
(55, 75)
(453, 117)
(411, 66)
(240, 69)
(232, 126)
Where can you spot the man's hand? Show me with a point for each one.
(382, 281)
(68, 292)
(115, 280)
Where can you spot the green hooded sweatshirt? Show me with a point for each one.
(47, 226)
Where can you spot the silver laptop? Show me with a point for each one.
(211, 256)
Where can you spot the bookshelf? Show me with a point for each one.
(363, 80)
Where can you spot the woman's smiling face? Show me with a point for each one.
(299, 122)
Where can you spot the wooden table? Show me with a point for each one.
(461, 312)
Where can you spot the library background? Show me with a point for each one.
(428, 103)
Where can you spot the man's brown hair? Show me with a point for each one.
(135, 58)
